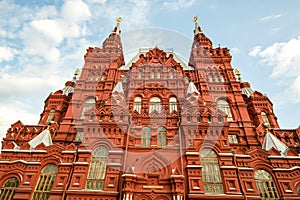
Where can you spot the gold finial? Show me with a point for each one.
(77, 71)
(238, 73)
(195, 19)
(119, 19)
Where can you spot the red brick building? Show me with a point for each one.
(153, 128)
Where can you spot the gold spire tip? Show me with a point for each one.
(195, 19)
(77, 71)
(119, 19)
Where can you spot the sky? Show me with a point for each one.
(43, 42)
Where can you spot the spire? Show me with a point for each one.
(117, 29)
(69, 85)
(197, 27)
(43, 137)
(192, 89)
(118, 88)
(272, 141)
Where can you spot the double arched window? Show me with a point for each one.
(211, 172)
(173, 104)
(137, 104)
(265, 185)
(155, 104)
(89, 103)
(8, 189)
(97, 169)
(45, 182)
(146, 137)
(224, 106)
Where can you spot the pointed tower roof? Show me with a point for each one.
(114, 39)
(117, 29)
(43, 137)
(192, 89)
(118, 88)
(197, 27)
(272, 141)
(200, 39)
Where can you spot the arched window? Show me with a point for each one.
(161, 137)
(8, 189)
(138, 104)
(152, 75)
(89, 103)
(265, 185)
(97, 169)
(224, 106)
(140, 75)
(50, 116)
(146, 137)
(171, 75)
(222, 78)
(158, 74)
(265, 119)
(155, 104)
(45, 182)
(216, 78)
(187, 80)
(173, 104)
(210, 78)
(211, 172)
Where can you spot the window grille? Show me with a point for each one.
(173, 104)
(265, 184)
(50, 116)
(155, 104)
(211, 172)
(89, 103)
(232, 139)
(45, 182)
(224, 106)
(97, 169)
(8, 189)
(161, 137)
(137, 104)
(265, 119)
(146, 137)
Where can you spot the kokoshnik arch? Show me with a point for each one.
(153, 128)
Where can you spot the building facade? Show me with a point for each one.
(153, 128)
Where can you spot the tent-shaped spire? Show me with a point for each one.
(272, 141)
(197, 27)
(192, 88)
(43, 137)
(118, 88)
(117, 29)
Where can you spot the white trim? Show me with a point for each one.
(130, 175)
(192, 153)
(24, 150)
(22, 161)
(284, 169)
(292, 157)
(115, 152)
(193, 166)
(68, 152)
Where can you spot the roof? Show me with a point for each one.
(272, 141)
(43, 137)
(167, 51)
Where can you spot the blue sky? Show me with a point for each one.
(43, 42)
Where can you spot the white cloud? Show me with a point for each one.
(255, 51)
(178, 4)
(271, 17)
(6, 54)
(75, 11)
(284, 59)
